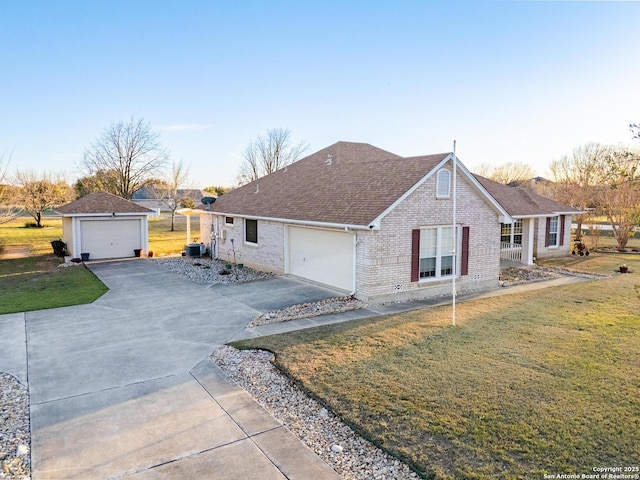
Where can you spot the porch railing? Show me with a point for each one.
(510, 251)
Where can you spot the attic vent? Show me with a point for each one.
(329, 159)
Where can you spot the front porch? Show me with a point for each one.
(516, 242)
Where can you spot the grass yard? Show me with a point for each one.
(36, 282)
(162, 241)
(526, 384)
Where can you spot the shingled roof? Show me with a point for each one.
(521, 202)
(99, 203)
(345, 184)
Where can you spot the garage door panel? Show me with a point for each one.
(321, 255)
(110, 238)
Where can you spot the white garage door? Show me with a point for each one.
(322, 256)
(110, 238)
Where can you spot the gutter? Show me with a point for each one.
(343, 226)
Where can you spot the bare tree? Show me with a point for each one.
(507, 173)
(130, 151)
(39, 193)
(619, 197)
(579, 176)
(635, 130)
(269, 153)
(169, 189)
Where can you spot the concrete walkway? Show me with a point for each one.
(393, 308)
(124, 387)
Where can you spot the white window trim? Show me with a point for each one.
(512, 232)
(247, 242)
(557, 232)
(439, 194)
(456, 269)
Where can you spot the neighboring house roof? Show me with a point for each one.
(149, 194)
(350, 184)
(522, 202)
(99, 203)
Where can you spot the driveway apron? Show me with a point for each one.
(124, 387)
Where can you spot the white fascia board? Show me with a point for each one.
(289, 221)
(117, 214)
(492, 201)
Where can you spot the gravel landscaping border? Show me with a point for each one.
(15, 431)
(350, 455)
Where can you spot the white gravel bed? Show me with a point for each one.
(207, 270)
(306, 310)
(15, 433)
(350, 455)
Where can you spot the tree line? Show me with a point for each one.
(127, 156)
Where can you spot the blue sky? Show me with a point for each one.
(509, 80)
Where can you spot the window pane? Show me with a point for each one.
(505, 229)
(251, 231)
(517, 226)
(446, 265)
(443, 183)
(553, 232)
(428, 242)
(427, 267)
(447, 244)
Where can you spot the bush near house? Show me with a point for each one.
(525, 384)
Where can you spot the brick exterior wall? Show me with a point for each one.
(267, 255)
(539, 235)
(384, 256)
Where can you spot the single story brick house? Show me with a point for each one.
(541, 227)
(365, 221)
(104, 226)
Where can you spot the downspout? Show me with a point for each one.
(355, 261)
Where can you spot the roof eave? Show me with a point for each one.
(296, 222)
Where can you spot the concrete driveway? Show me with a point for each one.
(124, 387)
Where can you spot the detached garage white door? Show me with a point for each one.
(322, 256)
(110, 238)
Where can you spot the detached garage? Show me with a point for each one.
(104, 226)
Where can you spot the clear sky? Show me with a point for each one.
(509, 80)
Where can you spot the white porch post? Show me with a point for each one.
(527, 241)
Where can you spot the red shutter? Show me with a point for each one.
(561, 230)
(546, 232)
(464, 259)
(415, 255)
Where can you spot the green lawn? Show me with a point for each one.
(36, 282)
(162, 241)
(527, 384)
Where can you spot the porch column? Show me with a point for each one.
(527, 241)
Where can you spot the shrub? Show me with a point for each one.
(59, 247)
